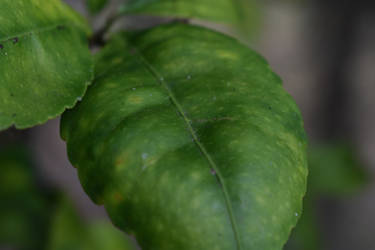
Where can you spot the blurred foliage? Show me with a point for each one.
(335, 172)
(251, 16)
(25, 208)
(33, 218)
(69, 232)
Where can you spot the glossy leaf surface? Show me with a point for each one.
(190, 141)
(45, 63)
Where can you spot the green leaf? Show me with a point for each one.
(211, 10)
(190, 141)
(45, 63)
(95, 6)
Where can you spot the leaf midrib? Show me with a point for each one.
(179, 108)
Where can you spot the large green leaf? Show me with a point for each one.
(45, 63)
(190, 141)
(212, 10)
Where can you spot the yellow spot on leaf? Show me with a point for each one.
(227, 55)
(135, 99)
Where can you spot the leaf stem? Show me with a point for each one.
(97, 38)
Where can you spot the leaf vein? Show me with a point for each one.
(211, 162)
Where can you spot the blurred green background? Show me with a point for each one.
(325, 53)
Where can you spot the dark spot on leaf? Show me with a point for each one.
(213, 172)
(11, 94)
(1, 46)
(269, 107)
(14, 115)
(60, 27)
(15, 40)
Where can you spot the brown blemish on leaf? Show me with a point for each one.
(121, 159)
(118, 197)
(213, 172)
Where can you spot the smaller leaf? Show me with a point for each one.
(45, 62)
(239, 15)
(211, 10)
(96, 6)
